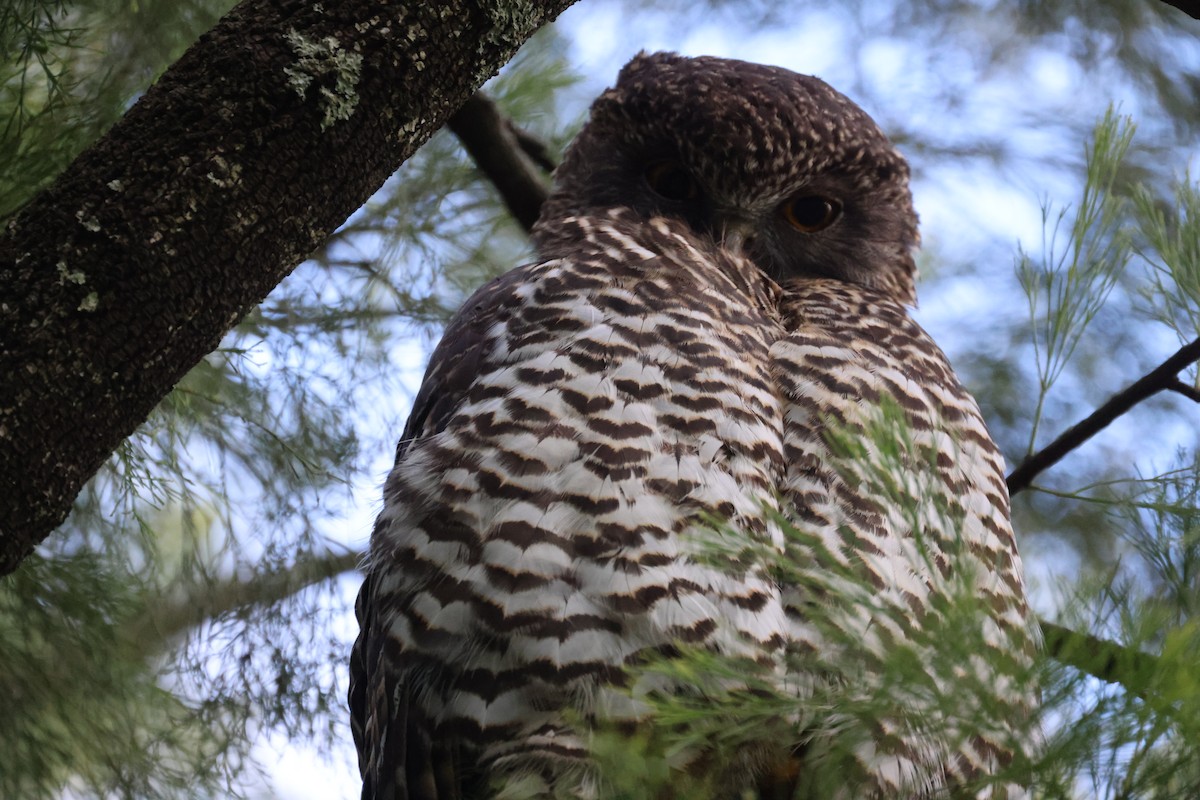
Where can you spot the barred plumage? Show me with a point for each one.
(679, 355)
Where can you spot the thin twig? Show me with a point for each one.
(1163, 377)
(513, 160)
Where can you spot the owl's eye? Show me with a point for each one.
(811, 213)
(670, 180)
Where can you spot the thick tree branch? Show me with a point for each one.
(243, 157)
(508, 156)
(1163, 377)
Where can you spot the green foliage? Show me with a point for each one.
(84, 705)
(1140, 736)
(711, 714)
(35, 42)
(1171, 232)
(1069, 284)
(69, 69)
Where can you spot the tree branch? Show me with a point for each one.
(264, 137)
(508, 156)
(177, 614)
(180, 611)
(1108, 661)
(1189, 7)
(1163, 377)
(1190, 392)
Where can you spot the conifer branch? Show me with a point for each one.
(1163, 377)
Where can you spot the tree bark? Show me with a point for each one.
(264, 137)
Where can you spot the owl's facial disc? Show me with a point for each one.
(770, 232)
(777, 166)
(775, 234)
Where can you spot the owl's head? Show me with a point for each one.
(777, 166)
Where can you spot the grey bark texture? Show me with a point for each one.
(263, 138)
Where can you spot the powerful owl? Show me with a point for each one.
(710, 361)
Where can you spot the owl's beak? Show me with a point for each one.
(736, 234)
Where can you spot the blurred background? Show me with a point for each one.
(185, 634)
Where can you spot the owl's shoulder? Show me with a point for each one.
(863, 326)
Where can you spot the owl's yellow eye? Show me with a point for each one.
(670, 180)
(811, 213)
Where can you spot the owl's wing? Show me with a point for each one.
(917, 510)
(396, 757)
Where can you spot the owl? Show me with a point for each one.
(712, 345)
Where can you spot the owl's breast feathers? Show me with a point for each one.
(580, 422)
